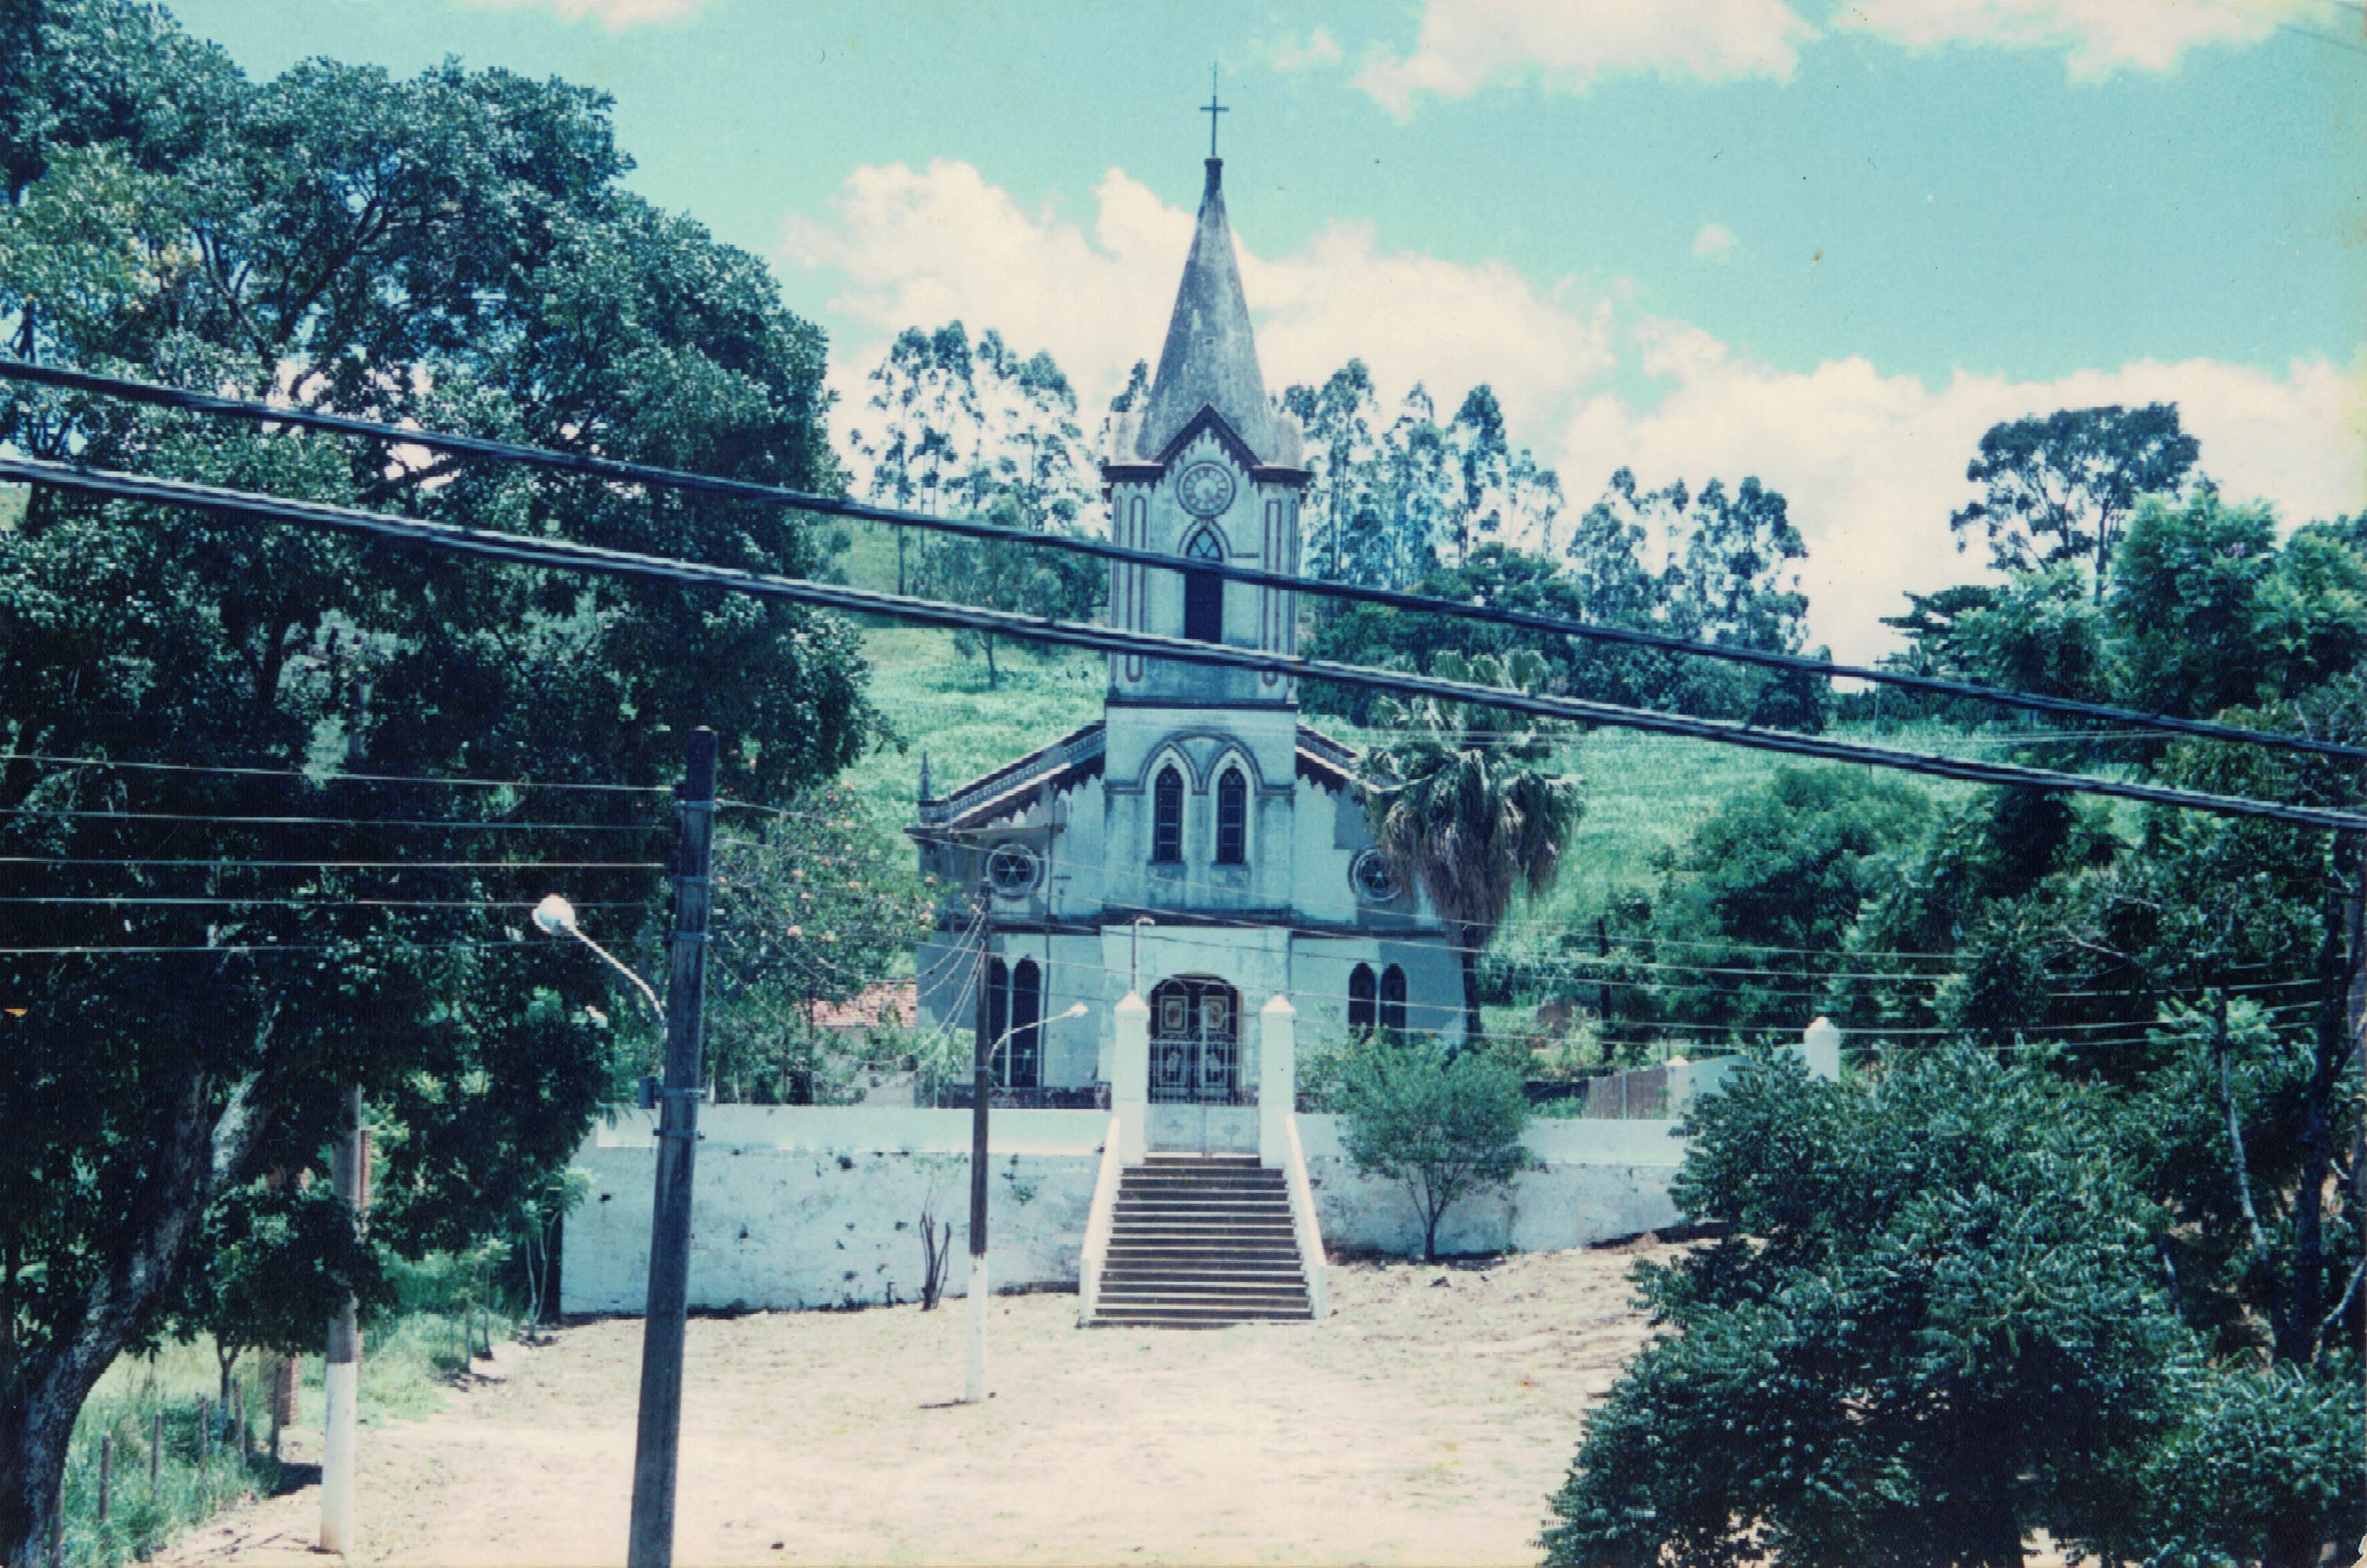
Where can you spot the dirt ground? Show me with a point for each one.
(1424, 1422)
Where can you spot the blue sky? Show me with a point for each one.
(1824, 245)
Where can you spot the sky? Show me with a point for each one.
(1826, 244)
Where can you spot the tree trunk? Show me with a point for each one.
(2339, 960)
(993, 676)
(1473, 1028)
(45, 1396)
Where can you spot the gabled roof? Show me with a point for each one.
(1079, 756)
(1209, 360)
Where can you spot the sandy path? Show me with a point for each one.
(1424, 1422)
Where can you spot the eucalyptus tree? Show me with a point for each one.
(2060, 487)
(221, 954)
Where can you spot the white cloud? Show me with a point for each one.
(1316, 50)
(1873, 464)
(1569, 45)
(614, 14)
(2099, 37)
(923, 247)
(1715, 242)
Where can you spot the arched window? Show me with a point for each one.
(1167, 816)
(1020, 1065)
(1393, 1001)
(1232, 819)
(1204, 593)
(1362, 1015)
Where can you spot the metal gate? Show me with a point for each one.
(1195, 1066)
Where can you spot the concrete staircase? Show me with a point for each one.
(1202, 1241)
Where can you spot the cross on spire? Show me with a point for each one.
(1212, 108)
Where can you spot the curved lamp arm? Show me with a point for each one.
(556, 916)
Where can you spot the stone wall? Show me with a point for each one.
(819, 1206)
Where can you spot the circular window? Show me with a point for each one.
(1374, 879)
(1012, 869)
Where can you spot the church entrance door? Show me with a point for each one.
(1197, 1103)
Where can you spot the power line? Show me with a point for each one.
(235, 820)
(569, 557)
(337, 864)
(585, 465)
(293, 774)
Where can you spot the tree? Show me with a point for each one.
(276, 1260)
(1462, 806)
(2060, 487)
(810, 908)
(976, 430)
(1785, 867)
(1339, 420)
(1442, 1125)
(1939, 1321)
(455, 248)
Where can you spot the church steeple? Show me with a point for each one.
(1210, 358)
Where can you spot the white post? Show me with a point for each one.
(1130, 1079)
(349, 1177)
(1277, 1079)
(1820, 1047)
(974, 1333)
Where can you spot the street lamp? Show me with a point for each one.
(974, 1380)
(556, 916)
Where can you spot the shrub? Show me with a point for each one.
(1442, 1127)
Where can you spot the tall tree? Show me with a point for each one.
(1340, 419)
(2060, 487)
(1462, 804)
(454, 248)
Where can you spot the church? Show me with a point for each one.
(1198, 846)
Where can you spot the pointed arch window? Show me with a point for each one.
(1167, 816)
(1232, 819)
(1203, 591)
(994, 1002)
(1393, 1001)
(1363, 995)
(1020, 1064)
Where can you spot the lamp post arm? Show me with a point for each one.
(649, 993)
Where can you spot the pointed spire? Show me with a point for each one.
(927, 789)
(1210, 358)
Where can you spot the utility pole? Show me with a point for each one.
(341, 1378)
(981, 1091)
(657, 1443)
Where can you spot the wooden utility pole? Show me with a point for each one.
(981, 1091)
(656, 1447)
(341, 1378)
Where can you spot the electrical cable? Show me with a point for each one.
(587, 465)
(294, 774)
(562, 556)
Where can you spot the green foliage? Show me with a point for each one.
(812, 906)
(2059, 487)
(1461, 804)
(454, 248)
(1785, 866)
(271, 1265)
(1387, 504)
(1939, 1321)
(1443, 1126)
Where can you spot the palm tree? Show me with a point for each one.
(1461, 804)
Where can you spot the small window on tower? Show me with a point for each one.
(1167, 818)
(1203, 591)
(1232, 819)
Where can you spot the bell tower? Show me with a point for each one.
(1207, 472)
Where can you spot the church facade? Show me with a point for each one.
(1198, 846)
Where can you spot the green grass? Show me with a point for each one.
(408, 1364)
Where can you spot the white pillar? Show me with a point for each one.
(1277, 1079)
(1130, 1079)
(1821, 1046)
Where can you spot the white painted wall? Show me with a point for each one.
(815, 1206)
(1592, 1182)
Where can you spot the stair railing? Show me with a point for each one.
(1099, 1221)
(1303, 1223)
